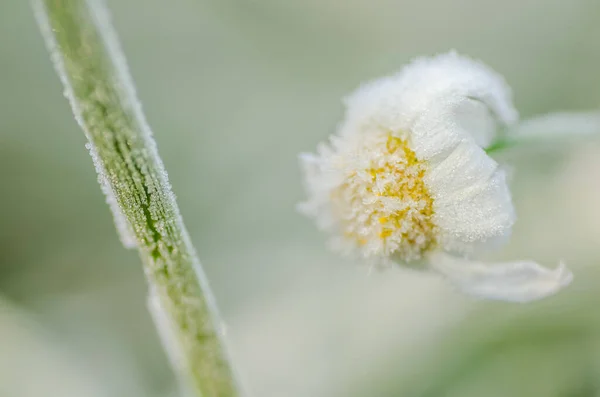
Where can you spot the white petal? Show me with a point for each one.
(433, 97)
(317, 182)
(473, 206)
(519, 281)
(475, 116)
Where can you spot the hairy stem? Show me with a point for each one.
(91, 66)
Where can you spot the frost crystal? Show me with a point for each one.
(121, 223)
(165, 329)
(406, 177)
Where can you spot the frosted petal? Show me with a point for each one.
(441, 100)
(472, 200)
(518, 281)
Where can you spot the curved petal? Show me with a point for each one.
(518, 281)
(440, 100)
(473, 206)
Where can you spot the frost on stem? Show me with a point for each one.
(165, 330)
(92, 68)
(122, 225)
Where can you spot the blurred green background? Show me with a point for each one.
(234, 90)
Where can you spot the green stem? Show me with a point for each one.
(553, 130)
(500, 145)
(91, 66)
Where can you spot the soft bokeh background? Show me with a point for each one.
(234, 89)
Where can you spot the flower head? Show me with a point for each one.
(406, 177)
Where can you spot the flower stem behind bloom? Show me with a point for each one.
(92, 68)
(555, 129)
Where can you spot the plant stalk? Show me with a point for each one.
(86, 54)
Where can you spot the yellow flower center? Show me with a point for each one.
(384, 206)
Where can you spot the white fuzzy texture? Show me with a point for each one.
(441, 112)
(472, 201)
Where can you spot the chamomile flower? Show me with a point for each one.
(406, 178)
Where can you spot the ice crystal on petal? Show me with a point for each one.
(405, 173)
(406, 176)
